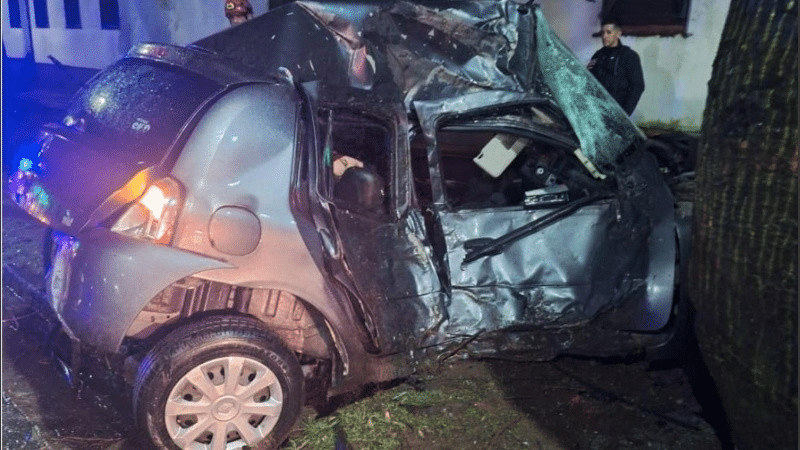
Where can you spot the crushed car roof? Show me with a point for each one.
(430, 51)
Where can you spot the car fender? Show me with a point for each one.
(112, 278)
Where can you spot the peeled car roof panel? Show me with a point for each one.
(419, 51)
(431, 51)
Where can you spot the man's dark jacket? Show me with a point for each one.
(619, 71)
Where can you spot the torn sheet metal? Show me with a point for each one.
(397, 48)
(428, 52)
(564, 274)
(395, 277)
(606, 266)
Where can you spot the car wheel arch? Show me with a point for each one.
(300, 326)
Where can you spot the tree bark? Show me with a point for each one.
(743, 280)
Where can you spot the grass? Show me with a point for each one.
(453, 413)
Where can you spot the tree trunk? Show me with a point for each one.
(743, 279)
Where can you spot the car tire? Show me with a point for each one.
(220, 375)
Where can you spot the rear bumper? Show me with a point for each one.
(100, 281)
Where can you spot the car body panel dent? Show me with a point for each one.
(642, 182)
(565, 274)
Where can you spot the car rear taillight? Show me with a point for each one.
(154, 214)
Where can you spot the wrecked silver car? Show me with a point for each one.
(330, 192)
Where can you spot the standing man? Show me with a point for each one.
(617, 68)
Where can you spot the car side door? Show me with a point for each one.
(376, 244)
(530, 235)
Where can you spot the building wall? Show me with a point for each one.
(169, 21)
(173, 21)
(90, 46)
(676, 69)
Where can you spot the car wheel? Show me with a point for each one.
(220, 384)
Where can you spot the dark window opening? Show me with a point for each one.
(14, 16)
(72, 13)
(40, 14)
(421, 170)
(493, 162)
(469, 186)
(356, 156)
(650, 18)
(109, 14)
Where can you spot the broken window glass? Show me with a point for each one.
(603, 127)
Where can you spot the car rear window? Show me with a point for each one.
(139, 106)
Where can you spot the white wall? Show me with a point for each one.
(172, 21)
(676, 69)
(89, 46)
(168, 21)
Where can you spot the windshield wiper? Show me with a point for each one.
(478, 248)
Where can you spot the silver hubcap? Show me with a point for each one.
(223, 404)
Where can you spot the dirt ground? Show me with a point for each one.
(570, 403)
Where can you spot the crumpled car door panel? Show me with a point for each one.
(611, 253)
(561, 275)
